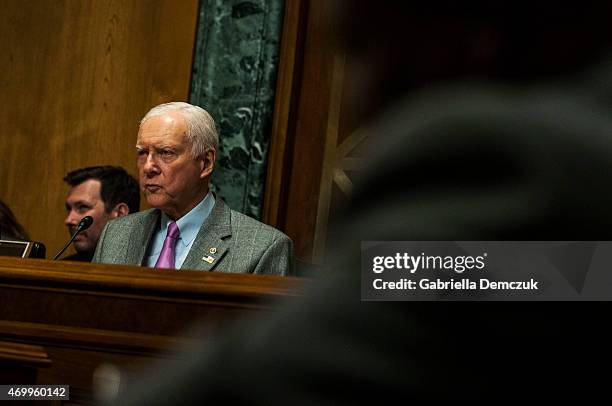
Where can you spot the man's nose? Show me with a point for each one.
(72, 219)
(150, 166)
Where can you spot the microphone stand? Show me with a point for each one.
(83, 225)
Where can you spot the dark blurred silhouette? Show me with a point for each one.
(10, 229)
(491, 122)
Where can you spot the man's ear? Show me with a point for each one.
(120, 210)
(207, 163)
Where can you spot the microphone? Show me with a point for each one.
(83, 225)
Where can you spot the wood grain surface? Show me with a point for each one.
(61, 321)
(77, 76)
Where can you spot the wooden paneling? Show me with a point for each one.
(313, 135)
(76, 78)
(20, 363)
(285, 109)
(126, 298)
(73, 317)
(300, 118)
(27, 355)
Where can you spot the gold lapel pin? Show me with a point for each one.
(213, 250)
(208, 259)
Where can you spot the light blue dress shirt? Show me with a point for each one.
(188, 225)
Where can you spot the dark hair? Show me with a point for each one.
(9, 227)
(117, 186)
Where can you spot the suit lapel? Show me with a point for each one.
(141, 236)
(212, 242)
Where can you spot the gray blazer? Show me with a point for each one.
(228, 241)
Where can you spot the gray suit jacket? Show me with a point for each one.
(228, 241)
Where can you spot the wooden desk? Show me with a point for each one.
(82, 315)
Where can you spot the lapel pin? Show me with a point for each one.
(208, 259)
(213, 250)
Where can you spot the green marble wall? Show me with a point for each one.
(234, 77)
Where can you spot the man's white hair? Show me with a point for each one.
(201, 130)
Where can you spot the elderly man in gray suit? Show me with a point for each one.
(188, 227)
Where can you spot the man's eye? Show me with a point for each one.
(142, 152)
(167, 153)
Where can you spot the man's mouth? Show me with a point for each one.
(79, 235)
(152, 188)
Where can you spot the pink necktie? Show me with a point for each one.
(167, 254)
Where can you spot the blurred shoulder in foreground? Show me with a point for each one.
(489, 123)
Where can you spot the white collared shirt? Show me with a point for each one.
(188, 225)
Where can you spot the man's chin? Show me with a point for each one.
(83, 247)
(157, 200)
